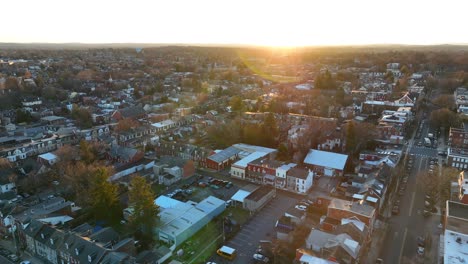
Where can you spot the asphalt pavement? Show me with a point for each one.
(400, 245)
(260, 227)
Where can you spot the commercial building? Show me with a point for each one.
(326, 163)
(179, 221)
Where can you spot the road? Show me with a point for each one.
(400, 245)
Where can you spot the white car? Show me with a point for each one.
(420, 251)
(260, 257)
(25, 262)
(301, 207)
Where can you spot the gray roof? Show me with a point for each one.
(132, 111)
(84, 248)
(298, 172)
(224, 154)
(122, 152)
(106, 236)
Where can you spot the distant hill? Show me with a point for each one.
(371, 47)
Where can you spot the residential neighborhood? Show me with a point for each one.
(190, 154)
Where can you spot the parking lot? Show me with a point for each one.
(260, 227)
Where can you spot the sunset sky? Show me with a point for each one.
(269, 22)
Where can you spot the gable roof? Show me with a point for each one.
(132, 111)
(224, 154)
(326, 159)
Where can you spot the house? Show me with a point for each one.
(132, 112)
(340, 248)
(239, 168)
(259, 198)
(76, 249)
(299, 179)
(457, 153)
(124, 155)
(47, 159)
(261, 170)
(7, 180)
(47, 241)
(164, 125)
(462, 188)
(461, 100)
(339, 209)
(28, 234)
(326, 163)
(55, 206)
(53, 120)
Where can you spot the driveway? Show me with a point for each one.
(260, 227)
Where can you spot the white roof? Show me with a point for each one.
(455, 252)
(227, 249)
(355, 221)
(314, 260)
(166, 202)
(48, 156)
(286, 167)
(240, 195)
(245, 161)
(177, 220)
(164, 123)
(251, 148)
(326, 159)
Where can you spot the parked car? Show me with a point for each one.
(228, 185)
(260, 258)
(421, 241)
(395, 210)
(420, 251)
(301, 207)
(13, 257)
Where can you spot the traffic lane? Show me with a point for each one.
(399, 223)
(418, 225)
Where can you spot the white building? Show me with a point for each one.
(179, 221)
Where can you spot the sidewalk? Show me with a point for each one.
(378, 238)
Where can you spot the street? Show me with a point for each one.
(400, 245)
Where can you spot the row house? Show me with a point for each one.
(461, 100)
(299, 179)
(38, 147)
(124, 155)
(95, 133)
(124, 137)
(457, 153)
(184, 151)
(263, 171)
(289, 177)
(55, 246)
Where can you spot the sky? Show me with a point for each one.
(258, 22)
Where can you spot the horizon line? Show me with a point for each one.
(234, 44)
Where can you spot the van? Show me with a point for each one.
(227, 252)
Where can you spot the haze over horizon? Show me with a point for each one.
(264, 23)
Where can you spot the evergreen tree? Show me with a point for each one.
(145, 214)
(104, 198)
